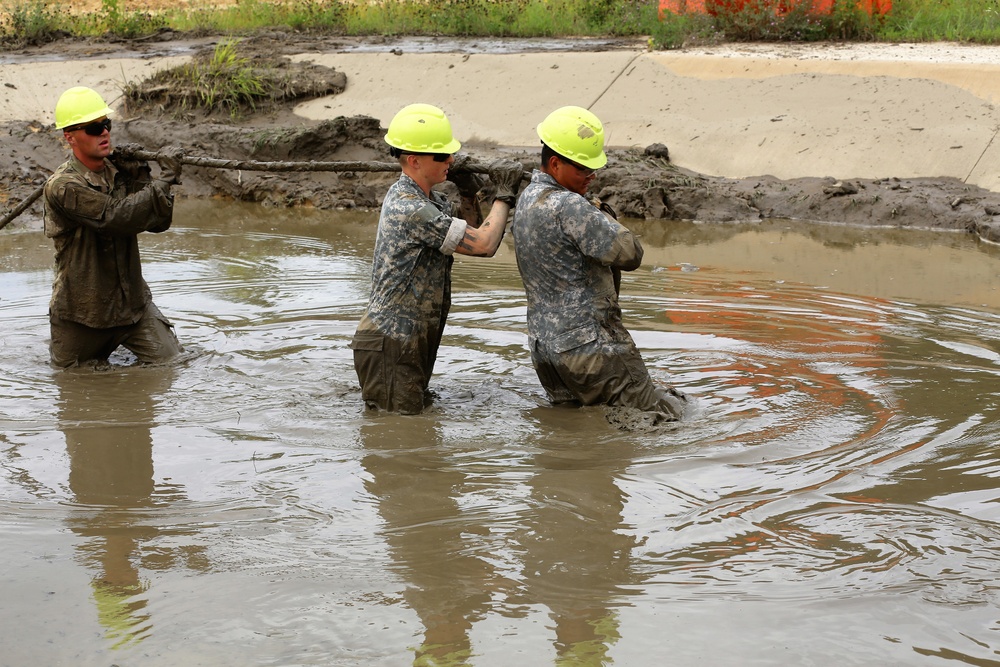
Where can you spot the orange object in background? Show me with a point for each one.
(713, 7)
(682, 6)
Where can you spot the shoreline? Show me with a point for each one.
(868, 134)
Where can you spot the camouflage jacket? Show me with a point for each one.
(566, 249)
(411, 269)
(98, 277)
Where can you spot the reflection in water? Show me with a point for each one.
(576, 550)
(110, 447)
(565, 547)
(448, 584)
(834, 494)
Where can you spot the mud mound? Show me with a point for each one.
(635, 183)
(341, 139)
(224, 82)
(640, 185)
(28, 156)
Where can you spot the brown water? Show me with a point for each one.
(833, 500)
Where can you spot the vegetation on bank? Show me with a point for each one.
(224, 79)
(24, 22)
(232, 81)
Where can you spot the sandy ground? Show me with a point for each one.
(736, 111)
(869, 134)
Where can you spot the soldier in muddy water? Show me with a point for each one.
(396, 342)
(570, 252)
(96, 204)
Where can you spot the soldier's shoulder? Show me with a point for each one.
(560, 202)
(402, 204)
(414, 206)
(66, 171)
(63, 176)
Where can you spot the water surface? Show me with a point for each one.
(833, 500)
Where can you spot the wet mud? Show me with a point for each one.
(639, 183)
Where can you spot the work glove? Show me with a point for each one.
(126, 152)
(169, 159)
(468, 183)
(134, 169)
(506, 176)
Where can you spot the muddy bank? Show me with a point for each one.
(639, 183)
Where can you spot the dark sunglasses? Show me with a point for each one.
(94, 129)
(586, 171)
(437, 157)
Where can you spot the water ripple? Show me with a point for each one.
(841, 455)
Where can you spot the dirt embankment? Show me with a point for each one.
(638, 183)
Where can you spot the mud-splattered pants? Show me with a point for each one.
(394, 374)
(151, 339)
(603, 372)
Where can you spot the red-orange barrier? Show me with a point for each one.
(713, 7)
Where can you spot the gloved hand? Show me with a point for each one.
(468, 183)
(135, 170)
(169, 159)
(126, 152)
(506, 176)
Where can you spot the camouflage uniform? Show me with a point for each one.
(99, 297)
(567, 251)
(397, 340)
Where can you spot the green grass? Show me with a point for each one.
(948, 20)
(977, 21)
(224, 81)
(38, 21)
(30, 23)
(227, 81)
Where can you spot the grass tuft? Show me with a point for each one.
(225, 81)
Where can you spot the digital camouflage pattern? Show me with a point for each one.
(93, 219)
(396, 342)
(411, 268)
(566, 251)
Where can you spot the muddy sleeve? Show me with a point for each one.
(627, 251)
(149, 209)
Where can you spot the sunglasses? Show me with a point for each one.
(94, 129)
(586, 171)
(437, 157)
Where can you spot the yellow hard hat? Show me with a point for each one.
(79, 105)
(575, 134)
(421, 128)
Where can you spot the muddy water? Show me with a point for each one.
(832, 501)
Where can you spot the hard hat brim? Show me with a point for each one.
(86, 118)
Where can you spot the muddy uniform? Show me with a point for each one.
(99, 297)
(397, 339)
(566, 249)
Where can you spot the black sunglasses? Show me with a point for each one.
(437, 157)
(587, 171)
(94, 129)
